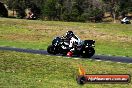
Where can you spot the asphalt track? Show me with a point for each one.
(95, 57)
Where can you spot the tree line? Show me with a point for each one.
(71, 10)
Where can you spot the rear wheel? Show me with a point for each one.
(88, 52)
(52, 50)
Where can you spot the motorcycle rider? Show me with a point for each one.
(74, 41)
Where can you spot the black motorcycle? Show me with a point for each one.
(61, 46)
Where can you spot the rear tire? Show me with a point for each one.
(122, 22)
(51, 50)
(88, 52)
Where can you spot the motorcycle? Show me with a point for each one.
(61, 46)
(125, 21)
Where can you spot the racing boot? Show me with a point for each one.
(70, 54)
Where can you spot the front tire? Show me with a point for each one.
(128, 22)
(51, 50)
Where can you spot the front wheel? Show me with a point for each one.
(52, 50)
(88, 52)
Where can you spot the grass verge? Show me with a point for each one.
(21, 70)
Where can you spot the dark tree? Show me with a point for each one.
(3, 10)
(50, 9)
(71, 10)
(17, 5)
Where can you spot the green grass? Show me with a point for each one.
(26, 45)
(21, 70)
(114, 39)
